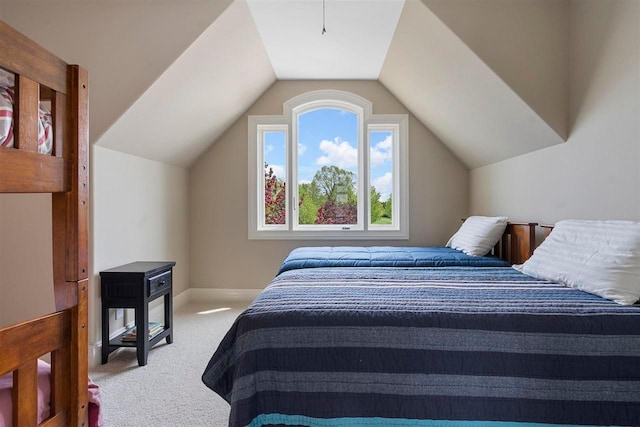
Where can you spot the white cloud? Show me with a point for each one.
(381, 152)
(384, 185)
(301, 149)
(338, 153)
(385, 144)
(278, 171)
(268, 148)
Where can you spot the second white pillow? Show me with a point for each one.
(478, 234)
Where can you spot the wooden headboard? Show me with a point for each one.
(546, 229)
(517, 242)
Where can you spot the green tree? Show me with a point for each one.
(377, 209)
(335, 184)
(307, 204)
(387, 208)
(312, 191)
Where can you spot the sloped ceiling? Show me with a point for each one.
(125, 45)
(167, 78)
(525, 42)
(196, 99)
(454, 93)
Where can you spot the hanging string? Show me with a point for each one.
(324, 30)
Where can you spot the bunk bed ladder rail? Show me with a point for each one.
(70, 224)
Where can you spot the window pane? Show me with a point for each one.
(275, 177)
(327, 167)
(381, 176)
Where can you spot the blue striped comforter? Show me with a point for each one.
(447, 346)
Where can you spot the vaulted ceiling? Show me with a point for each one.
(167, 78)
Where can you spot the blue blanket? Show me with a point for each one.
(384, 256)
(450, 346)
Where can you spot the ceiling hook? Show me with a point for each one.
(324, 30)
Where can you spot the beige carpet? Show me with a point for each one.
(168, 392)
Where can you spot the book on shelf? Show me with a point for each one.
(154, 329)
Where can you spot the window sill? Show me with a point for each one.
(330, 235)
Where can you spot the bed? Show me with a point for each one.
(429, 346)
(41, 79)
(514, 246)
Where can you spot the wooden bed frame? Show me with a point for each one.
(517, 243)
(40, 75)
(546, 229)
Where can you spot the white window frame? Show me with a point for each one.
(316, 105)
(397, 123)
(261, 129)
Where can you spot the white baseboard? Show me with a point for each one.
(198, 295)
(180, 300)
(95, 350)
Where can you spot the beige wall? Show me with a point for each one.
(139, 213)
(596, 173)
(26, 263)
(221, 256)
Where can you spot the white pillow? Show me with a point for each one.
(599, 257)
(478, 234)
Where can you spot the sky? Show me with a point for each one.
(329, 137)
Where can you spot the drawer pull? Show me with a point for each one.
(161, 284)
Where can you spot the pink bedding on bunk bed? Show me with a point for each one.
(45, 122)
(44, 373)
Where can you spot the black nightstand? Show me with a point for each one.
(134, 286)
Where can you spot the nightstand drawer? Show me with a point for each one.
(159, 283)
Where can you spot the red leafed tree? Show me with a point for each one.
(275, 194)
(337, 213)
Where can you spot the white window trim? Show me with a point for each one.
(285, 122)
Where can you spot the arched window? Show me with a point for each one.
(328, 169)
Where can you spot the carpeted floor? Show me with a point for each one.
(168, 392)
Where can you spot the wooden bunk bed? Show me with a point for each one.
(41, 76)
